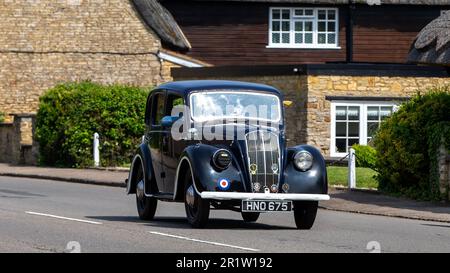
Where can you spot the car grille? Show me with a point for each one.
(263, 152)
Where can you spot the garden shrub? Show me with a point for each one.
(366, 156)
(70, 114)
(404, 145)
(2, 117)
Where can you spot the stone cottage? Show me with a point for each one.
(46, 42)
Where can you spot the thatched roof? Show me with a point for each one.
(162, 22)
(432, 45)
(340, 2)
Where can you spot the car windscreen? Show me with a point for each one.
(210, 105)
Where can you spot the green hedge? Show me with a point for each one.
(70, 114)
(366, 156)
(2, 117)
(406, 144)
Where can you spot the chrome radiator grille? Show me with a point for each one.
(263, 160)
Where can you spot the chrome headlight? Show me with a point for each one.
(222, 159)
(303, 161)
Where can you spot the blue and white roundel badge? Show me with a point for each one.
(224, 184)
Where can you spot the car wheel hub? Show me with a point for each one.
(140, 190)
(190, 196)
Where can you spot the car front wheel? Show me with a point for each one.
(305, 213)
(197, 209)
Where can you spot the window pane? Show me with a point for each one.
(285, 26)
(341, 146)
(373, 113)
(308, 26)
(285, 38)
(298, 26)
(322, 26)
(341, 112)
(352, 142)
(309, 12)
(341, 129)
(353, 113)
(276, 38)
(158, 113)
(276, 14)
(298, 12)
(322, 14)
(385, 112)
(331, 15)
(308, 38)
(332, 38)
(372, 127)
(275, 26)
(353, 129)
(298, 38)
(322, 38)
(286, 14)
(331, 26)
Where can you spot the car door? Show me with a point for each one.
(171, 149)
(154, 137)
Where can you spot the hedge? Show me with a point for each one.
(70, 114)
(407, 142)
(366, 156)
(2, 117)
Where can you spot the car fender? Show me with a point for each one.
(206, 177)
(313, 181)
(143, 157)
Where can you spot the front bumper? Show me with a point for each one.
(263, 196)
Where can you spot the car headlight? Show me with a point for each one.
(222, 159)
(303, 160)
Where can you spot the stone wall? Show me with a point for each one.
(17, 145)
(46, 42)
(318, 108)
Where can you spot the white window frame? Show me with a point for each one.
(363, 105)
(315, 44)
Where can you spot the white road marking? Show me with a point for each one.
(202, 241)
(63, 218)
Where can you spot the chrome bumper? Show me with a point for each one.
(263, 196)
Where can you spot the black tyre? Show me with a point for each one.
(197, 209)
(305, 213)
(146, 206)
(250, 217)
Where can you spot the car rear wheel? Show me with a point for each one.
(305, 213)
(250, 217)
(197, 209)
(146, 206)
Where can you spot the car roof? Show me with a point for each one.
(186, 87)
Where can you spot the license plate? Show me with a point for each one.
(266, 205)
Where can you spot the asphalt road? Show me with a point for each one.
(44, 216)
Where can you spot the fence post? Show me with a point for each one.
(351, 169)
(96, 150)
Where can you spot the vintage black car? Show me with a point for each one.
(222, 157)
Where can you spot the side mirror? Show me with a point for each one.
(287, 103)
(168, 121)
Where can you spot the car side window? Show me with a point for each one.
(158, 109)
(173, 101)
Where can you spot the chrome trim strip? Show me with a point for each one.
(264, 196)
(264, 158)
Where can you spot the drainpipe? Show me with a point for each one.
(349, 31)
